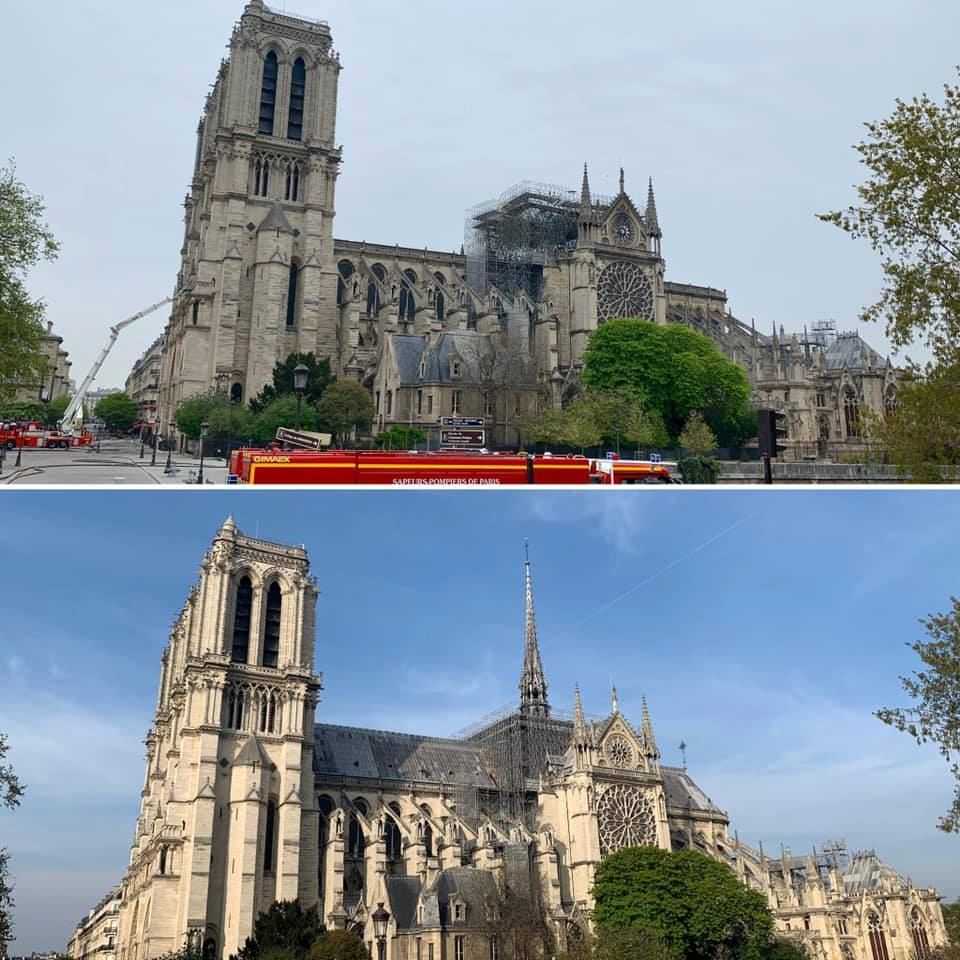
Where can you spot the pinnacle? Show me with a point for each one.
(533, 683)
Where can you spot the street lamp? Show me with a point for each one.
(204, 427)
(153, 430)
(300, 377)
(380, 920)
(168, 470)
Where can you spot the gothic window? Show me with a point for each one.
(624, 290)
(163, 860)
(891, 402)
(355, 839)
(261, 177)
(292, 290)
(267, 712)
(373, 291)
(627, 819)
(236, 393)
(233, 708)
(408, 306)
(441, 306)
(298, 92)
(269, 850)
(921, 943)
(268, 94)
(878, 942)
(851, 413)
(271, 630)
(428, 839)
(345, 268)
(241, 621)
(196, 312)
(292, 191)
(389, 403)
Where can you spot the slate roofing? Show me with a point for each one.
(681, 791)
(866, 872)
(403, 893)
(852, 351)
(378, 755)
(276, 219)
(476, 888)
(468, 346)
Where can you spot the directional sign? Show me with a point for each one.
(463, 423)
(308, 441)
(463, 438)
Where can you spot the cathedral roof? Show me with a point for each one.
(403, 893)
(850, 350)
(466, 345)
(377, 755)
(866, 871)
(682, 791)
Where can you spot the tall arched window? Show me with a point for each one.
(292, 292)
(345, 267)
(270, 838)
(878, 942)
(394, 845)
(268, 94)
(373, 292)
(298, 92)
(408, 306)
(920, 942)
(271, 629)
(261, 177)
(441, 306)
(241, 621)
(851, 413)
(292, 191)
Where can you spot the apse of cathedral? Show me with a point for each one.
(490, 331)
(250, 797)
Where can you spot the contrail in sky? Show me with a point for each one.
(670, 566)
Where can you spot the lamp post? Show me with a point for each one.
(380, 919)
(19, 447)
(168, 470)
(153, 430)
(301, 375)
(204, 427)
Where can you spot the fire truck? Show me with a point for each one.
(448, 469)
(35, 436)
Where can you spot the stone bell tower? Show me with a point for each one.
(228, 823)
(257, 280)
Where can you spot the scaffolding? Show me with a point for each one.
(509, 241)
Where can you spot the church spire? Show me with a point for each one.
(653, 222)
(533, 683)
(585, 201)
(649, 740)
(579, 721)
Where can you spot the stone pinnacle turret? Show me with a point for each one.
(533, 683)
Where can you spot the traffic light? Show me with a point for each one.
(773, 429)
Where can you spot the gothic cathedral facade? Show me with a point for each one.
(262, 277)
(248, 800)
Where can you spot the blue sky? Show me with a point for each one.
(763, 629)
(743, 112)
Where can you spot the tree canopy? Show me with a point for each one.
(319, 379)
(693, 904)
(285, 930)
(908, 210)
(11, 790)
(673, 371)
(282, 413)
(344, 407)
(117, 411)
(25, 240)
(338, 945)
(399, 437)
(935, 690)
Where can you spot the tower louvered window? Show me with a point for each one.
(241, 621)
(292, 291)
(268, 94)
(269, 852)
(298, 93)
(271, 633)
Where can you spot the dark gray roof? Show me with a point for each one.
(374, 754)
(276, 219)
(683, 792)
(467, 345)
(853, 352)
(403, 893)
(866, 871)
(475, 887)
(409, 351)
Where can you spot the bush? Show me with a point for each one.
(338, 945)
(700, 470)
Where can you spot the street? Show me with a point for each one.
(117, 464)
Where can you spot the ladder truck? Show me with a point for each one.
(67, 425)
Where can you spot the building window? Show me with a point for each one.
(269, 855)
(494, 952)
(419, 949)
(271, 632)
(241, 621)
(457, 401)
(458, 948)
(429, 951)
(429, 404)
(389, 403)
(878, 942)
(516, 409)
(261, 178)
(456, 369)
(292, 294)
(921, 943)
(377, 403)
(488, 405)
(458, 911)
(851, 414)
(806, 923)
(821, 400)
(292, 191)
(196, 312)
(842, 926)
(268, 94)
(441, 306)
(419, 403)
(298, 92)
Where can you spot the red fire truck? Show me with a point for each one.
(449, 469)
(36, 436)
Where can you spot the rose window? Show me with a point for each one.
(627, 819)
(619, 751)
(624, 291)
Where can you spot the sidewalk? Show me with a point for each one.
(185, 468)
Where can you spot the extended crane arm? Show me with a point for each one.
(76, 404)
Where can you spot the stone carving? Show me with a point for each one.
(627, 818)
(624, 290)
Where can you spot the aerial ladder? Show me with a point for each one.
(67, 424)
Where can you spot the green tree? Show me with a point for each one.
(696, 437)
(285, 932)
(338, 945)
(935, 715)
(401, 438)
(282, 413)
(11, 790)
(692, 903)
(25, 240)
(951, 918)
(585, 422)
(195, 411)
(673, 371)
(54, 410)
(117, 411)
(345, 406)
(28, 410)
(908, 210)
(319, 379)
(922, 436)
(628, 943)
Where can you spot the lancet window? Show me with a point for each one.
(921, 943)
(293, 290)
(241, 621)
(851, 413)
(270, 838)
(268, 94)
(292, 189)
(878, 942)
(271, 630)
(261, 177)
(408, 306)
(298, 93)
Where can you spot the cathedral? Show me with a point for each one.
(491, 331)
(250, 797)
